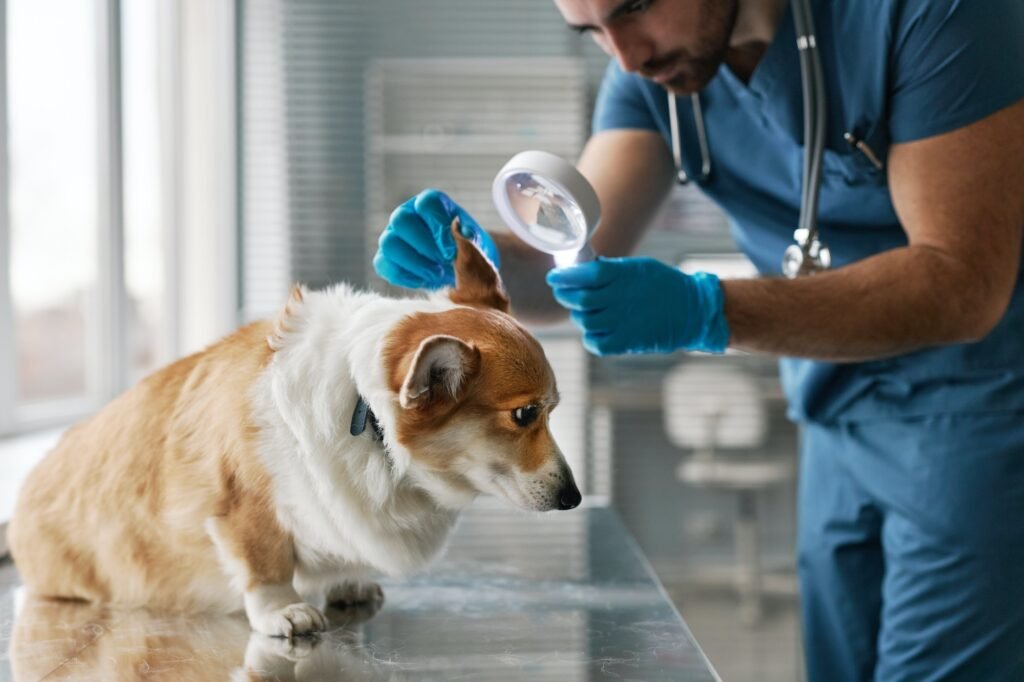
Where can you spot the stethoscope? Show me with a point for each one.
(808, 255)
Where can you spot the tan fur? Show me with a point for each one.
(118, 508)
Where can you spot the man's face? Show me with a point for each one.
(677, 43)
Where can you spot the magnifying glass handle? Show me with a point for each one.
(585, 254)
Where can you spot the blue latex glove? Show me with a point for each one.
(640, 305)
(417, 249)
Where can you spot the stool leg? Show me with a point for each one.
(748, 565)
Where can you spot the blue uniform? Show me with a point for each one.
(904, 543)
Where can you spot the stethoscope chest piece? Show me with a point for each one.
(806, 257)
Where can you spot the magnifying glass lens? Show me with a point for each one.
(547, 203)
(545, 211)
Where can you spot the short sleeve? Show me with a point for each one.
(954, 62)
(621, 103)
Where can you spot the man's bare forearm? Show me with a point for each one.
(892, 303)
(951, 285)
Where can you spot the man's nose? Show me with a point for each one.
(631, 51)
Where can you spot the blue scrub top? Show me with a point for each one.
(895, 71)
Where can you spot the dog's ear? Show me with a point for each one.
(439, 370)
(288, 319)
(476, 279)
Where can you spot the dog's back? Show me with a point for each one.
(116, 510)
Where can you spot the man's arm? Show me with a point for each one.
(960, 199)
(632, 173)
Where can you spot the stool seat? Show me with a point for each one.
(733, 474)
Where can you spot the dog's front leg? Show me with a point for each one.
(277, 610)
(260, 557)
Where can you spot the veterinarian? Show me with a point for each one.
(903, 362)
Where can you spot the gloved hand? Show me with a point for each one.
(417, 250)
(640, 305)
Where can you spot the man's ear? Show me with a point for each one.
(440, 369)
(476, 280)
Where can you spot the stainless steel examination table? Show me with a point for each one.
(559, 596)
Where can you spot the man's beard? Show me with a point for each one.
(697, 68)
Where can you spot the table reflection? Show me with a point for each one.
(553, 597)
(71, 640)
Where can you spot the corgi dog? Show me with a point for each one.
(296, 456)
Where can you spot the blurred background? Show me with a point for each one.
(171, 166)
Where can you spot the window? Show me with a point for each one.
(53, 198)
(84, 306)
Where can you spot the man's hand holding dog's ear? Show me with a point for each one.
(417, 249)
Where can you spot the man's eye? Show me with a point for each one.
(524, 416)
(638, 6)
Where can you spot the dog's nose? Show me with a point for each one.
(569, 497)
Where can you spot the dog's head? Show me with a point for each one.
(475, 393)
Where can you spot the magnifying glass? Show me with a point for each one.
(548, 204)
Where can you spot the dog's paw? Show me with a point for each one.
(352, 603)
(290, 621)
(355, 594)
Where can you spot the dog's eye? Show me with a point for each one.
(524, 416)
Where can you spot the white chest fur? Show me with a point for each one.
(347, 502)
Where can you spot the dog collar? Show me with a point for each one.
(360, 416)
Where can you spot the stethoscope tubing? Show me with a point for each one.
(702, 139)
(812, 77)
(815, 107)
